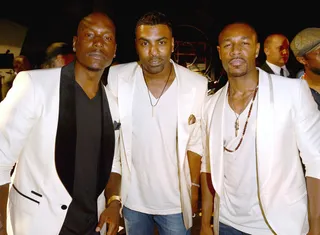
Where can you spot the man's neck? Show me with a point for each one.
(159, 77)
(245, 84)
(88, 80)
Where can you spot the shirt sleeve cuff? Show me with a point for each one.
(313, 170)
(5, 175)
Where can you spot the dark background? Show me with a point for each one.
(197, 20)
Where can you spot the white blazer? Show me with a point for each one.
(28, 128)
(192, 89)
(288, 126)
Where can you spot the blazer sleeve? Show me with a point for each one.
(307, 128)
(195, 141)
(17, 116)
(199, 138)
(113, 103)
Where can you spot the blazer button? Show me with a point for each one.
(64, 207)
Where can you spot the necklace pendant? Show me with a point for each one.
(236, 126)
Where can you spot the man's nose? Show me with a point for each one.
(284, 52)
(154, 50)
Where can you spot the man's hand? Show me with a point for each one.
(110, 216)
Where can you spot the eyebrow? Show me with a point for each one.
(145, 39)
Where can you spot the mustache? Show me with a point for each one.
(237, 58)
(98, 53)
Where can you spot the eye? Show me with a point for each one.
(88, 35)
(162, 42)
(144, 43)
(108, 38)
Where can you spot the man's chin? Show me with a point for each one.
(94, 69)
(155, 68)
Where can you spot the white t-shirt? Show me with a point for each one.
(154, 187)
(239, 202)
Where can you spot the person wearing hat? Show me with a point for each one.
(58, 54)
(306, 48)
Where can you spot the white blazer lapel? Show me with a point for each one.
(126, 87)
(216, 143)
(265, 126)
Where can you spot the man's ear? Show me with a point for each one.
(115, 51)
(75, 38)
(172, 45)
(301, 60)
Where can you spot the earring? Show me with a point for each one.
(74, 49)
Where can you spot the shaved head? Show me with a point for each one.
(96, 17)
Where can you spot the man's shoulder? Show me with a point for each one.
(123, 67)
(213, 97)
(41, 75)
(280, 81)
(191, 76)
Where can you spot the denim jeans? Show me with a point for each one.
(138, 223)
(228, 230)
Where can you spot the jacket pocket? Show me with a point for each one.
(23, 208)
(21, 202)
(27, 197)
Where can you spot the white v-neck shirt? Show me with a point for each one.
(239, 202)
(154, 187)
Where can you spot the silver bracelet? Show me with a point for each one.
(194, 184)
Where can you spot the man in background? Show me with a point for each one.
(58, 54)
(306, 48)
(276, 49)
(20, 63)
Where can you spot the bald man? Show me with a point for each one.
(276, 49)
(61, 127)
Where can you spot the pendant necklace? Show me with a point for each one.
(165, 85)
(237, 122)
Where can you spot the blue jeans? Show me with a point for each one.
(137, 223)
(227, 230)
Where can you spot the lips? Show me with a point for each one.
(155, 61)
(237, 62)
(97, 55)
